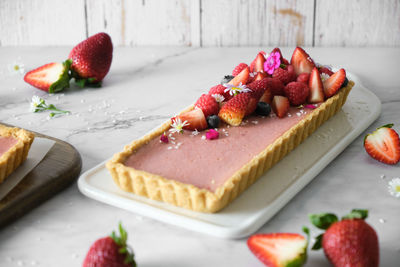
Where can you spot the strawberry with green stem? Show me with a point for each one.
(91, 59)
(348, 242)
(110, 251)
(51, 77)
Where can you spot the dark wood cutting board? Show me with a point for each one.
(59, 168)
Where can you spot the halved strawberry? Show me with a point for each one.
(258, 63)
(260, 76)
(383, 145)
(52, 77)
(195, 118)
(280, 105)
(251, 106)
(239, 68)
(325, 70)
(235, 109)
(316, 87)
(301, 61)
(267, 96)
(279, 249)
(334, 83)
(242, 77)
(207, 104)
(283, 60)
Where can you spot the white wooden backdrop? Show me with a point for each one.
(202, 22)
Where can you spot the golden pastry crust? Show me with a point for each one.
(191, 197)
(17, 154)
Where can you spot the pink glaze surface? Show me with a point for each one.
(6, 143)
(209, 163)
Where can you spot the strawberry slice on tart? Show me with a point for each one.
(279, 249)
(191, 120)
(235, 109)
(301, 61)
(316, 87)
(334, 83)
(52, 77)
(258, 63)
(280, 105)
(260, 76)
(241, 78)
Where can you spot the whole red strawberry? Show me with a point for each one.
(91, 59)
(207, 104)
(110, 251)
(350, 242)
(235, 109)
(220, 90)
(297, 93)
(275, 86)
(285, 75)
(258, 88)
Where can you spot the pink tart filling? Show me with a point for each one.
(6, 143)
(207, 164)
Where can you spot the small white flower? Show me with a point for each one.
(36, 103)
(177, 125)
(234, 90)
(394, 187)
(324, 77)
(219, 98)
(17, 67)
(195, 132)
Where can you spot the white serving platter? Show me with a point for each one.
(261, 201)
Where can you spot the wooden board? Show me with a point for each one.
(59, 168)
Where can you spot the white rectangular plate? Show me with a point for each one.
(255, 206)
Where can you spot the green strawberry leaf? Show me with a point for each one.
(318, 242)
(63, 80)
(123, 247)
(323, 220)
(356, 214)
(389, 125)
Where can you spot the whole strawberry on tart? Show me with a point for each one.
(88, 62)
(251, 120)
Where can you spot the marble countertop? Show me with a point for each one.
(145, 87)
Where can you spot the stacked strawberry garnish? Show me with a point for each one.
(269, 82)
(88, 62)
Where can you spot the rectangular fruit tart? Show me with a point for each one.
(14, 147)
(203, 158)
